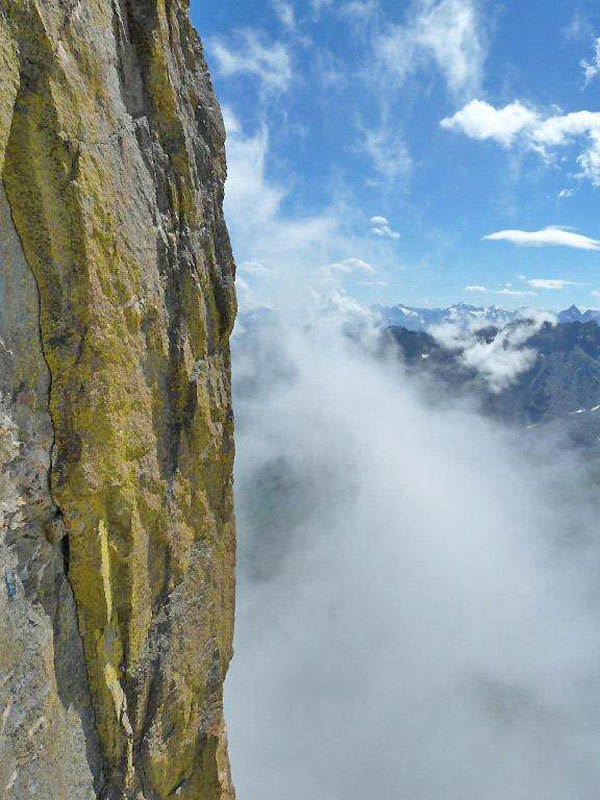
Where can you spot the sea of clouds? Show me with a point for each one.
(418, 608)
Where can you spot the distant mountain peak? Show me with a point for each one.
(421, 319)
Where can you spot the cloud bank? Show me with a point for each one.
(418, 610)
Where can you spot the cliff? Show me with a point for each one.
(116, 430)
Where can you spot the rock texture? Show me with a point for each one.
(116, 430)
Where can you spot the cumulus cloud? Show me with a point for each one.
(499, 360)
(553, 236)
(480, 120)
(381, 227)
(592, 68)
(541, 133)
(564, 194)
(476, 288)
(251, 53)
(332, 303)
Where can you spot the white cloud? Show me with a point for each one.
(285, 12)
(480, 120)
(507, 291)
(516, 123)
(351, 265)
(329, 71)
(248, 300)
(271, 241)
(407, 564)
(360, 11)
(266, 236)
(249, 52)
(476, 288)
(551, 283)
(318, 6)
(501, 360)
(246, 185)
(560, 130)
(381, 227)
(255, 268)
(436, 36)
(592, 68)
(564, 194)
(551, 236)
(387, 150)
(336, 304)
(444, 33)
(450, 30)
(579, 28)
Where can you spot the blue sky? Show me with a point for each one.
(379, 143)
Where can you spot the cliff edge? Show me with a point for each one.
(117, 301)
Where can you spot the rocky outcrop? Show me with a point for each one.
(116, 430)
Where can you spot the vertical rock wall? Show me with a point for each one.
(116, 429)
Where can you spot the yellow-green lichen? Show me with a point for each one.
(143, 451)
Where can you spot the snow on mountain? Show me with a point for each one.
(422, 319)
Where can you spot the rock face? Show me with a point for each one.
(116, 430)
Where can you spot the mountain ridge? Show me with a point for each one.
(559, 389)
(422, 318)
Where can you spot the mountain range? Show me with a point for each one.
(560, 390)
(421, 319)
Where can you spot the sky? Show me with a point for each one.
(417, 598)
(422, 152)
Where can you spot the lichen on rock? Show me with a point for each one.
(117, 301)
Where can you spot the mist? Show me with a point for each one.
(418, 606)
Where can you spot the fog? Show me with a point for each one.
(418, 607)
(500, 359)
